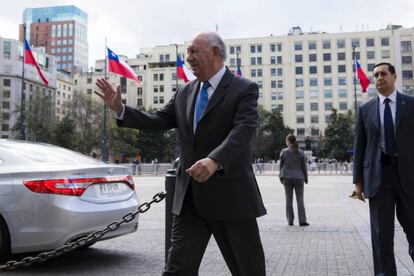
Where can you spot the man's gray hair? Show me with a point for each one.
(215, 40)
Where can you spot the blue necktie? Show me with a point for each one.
(389, 135)
(202, 101)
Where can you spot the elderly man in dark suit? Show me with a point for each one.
(384, 166)
(216, 190)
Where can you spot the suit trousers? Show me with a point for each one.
(382, 208)
(238, 240)
(298, 186)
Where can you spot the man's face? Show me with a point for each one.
(201, 57)
(384, 80)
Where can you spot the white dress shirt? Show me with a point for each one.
(393, 105)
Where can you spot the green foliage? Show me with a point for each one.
(271, 134)
(339, 136)
(64, 133)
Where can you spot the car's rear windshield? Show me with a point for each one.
(13, 152)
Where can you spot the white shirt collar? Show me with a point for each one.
(215, 80)
(392, 97)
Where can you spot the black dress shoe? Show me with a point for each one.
(304, 224)
(290, 223)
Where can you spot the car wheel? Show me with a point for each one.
(4, 241)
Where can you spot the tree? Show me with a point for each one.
(338, 137)
(64, 133)
(88, 118)
(271, 134)
(39, 119)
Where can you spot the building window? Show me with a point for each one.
(385, 41)
(161, 77)
(298, 58)
(259, 60)
(6, 82)
(280, 84)
(370, 67)
(313, 69)
(314, 119)
(299, 70)
(327, 81)
(300, 119)
(407, 60)
(370, 42)
(253, 73)
(89, 80)
(161, 88)
(279, 59)
(300, 94)
(273, 84)
(6, 94)
(259, 73)
(155, 100)
(314, 106)
(370, 54)
(326, 57)
(89, 91)
(253, 61)
(280, 72)
(405, 46)
(155, 89)
(155, 77)
(314, 94)
(342, 93)
(315, 132)
(355, 42)
(326, 44)
(312, 45)
(161, 99)
(343, 106)
(313, 82)
(139, 102)
(298, 46)
(273, 72)
(407, 74)
(341, 56)
(300, 132)
(341, 81)
(385, 54)
(327, 93)
(312, 57)
(340, 44)
(328, 106)
(300, 107)
(327, 69)
(299, 82)
(253, 49)
(6, 49)
(341, 68)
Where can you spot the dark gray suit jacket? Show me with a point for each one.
(367, 146)
(293, 165)
(224, 133)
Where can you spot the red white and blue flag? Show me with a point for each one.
(183, 72)
(363, 79)
(239, 73)
(119, 66)
(29, 59)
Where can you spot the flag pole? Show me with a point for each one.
(23, 98)
(105, 152)
(355, 80)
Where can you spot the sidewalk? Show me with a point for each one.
(337, 242)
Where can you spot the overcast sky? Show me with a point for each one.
(130, 25)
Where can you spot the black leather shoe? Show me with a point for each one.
(290, 223)
(304, 224)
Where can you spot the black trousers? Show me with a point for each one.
(238, 240)
(382, 208)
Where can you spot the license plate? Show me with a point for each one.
(109, 188)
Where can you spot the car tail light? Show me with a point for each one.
(73, 186)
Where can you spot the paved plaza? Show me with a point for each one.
(337, 242)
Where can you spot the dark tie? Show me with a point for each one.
(202, 101)
(389, 135)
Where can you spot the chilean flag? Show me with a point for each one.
(239, 73)
(363, 79)
(29, 59)
(119, 66)
(182, 71)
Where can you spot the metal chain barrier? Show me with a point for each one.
(41, 257)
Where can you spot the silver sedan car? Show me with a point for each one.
(50, 196)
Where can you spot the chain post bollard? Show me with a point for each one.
(169, 198)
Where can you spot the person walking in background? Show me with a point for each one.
(293, 174)
(216, 192)
(384, 166)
